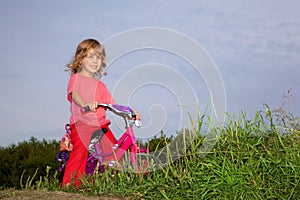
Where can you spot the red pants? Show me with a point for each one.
(76, 166)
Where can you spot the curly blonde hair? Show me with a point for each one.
(82, 51)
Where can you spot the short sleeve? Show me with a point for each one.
(71, 86)
(104, 94)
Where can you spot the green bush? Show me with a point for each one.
(24, 159)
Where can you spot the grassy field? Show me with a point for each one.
(251, 159)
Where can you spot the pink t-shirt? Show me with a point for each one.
(90, 89)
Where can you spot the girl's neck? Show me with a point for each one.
(83, 73)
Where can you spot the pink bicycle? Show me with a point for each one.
(124, 154)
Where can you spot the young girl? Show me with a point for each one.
(85, 90)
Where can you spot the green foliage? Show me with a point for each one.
(250, 159)
(157, 143)
(26, 159)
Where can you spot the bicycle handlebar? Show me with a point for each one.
(120, 110)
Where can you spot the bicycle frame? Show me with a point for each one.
(127, 140)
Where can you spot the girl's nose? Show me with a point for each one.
(95, 60)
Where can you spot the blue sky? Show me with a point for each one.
(254, 44)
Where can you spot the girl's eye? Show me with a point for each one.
(97, 57)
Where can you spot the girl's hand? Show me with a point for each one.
(92, 105)
(137, 117)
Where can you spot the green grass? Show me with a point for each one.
(252, 159)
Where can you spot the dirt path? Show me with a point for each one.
(26, 194)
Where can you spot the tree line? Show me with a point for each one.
(22, 161)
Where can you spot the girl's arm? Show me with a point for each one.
(76, 97)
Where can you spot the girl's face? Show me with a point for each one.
(91, 63)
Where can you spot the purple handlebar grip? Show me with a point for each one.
(122, 108)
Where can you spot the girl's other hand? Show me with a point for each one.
(137, 117)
